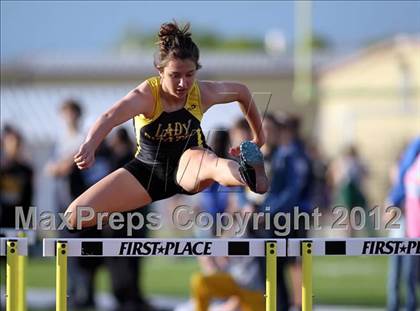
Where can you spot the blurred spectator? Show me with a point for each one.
(225, 283)
(69, 183)
(239, 132)
(288, 172)
(126, 272)
(398, 191)
(291, 143)
(237, 280)
(61, 166)
(16, 177)
(87, 267)
(396, 263)
(291, 186)
(405, 194)
(213, 200)
(216, 198)
(320, 192)
(122, 148)
(412, 213)
(348, 174)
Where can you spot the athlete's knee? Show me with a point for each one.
(71, 216)
(77, 212)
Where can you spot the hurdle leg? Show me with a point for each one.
(61, 276)
(271, 276)
(11, 275)
(21, 291)
(307, 276)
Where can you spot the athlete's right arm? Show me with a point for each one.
(138, 101)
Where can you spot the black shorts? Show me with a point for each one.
(158, 180)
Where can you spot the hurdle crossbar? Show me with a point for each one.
(163, 247)
(355, 247)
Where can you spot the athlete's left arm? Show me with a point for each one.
(213, 93)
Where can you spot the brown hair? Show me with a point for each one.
(175, 43)
(13, 131)
(72, 105)
(242, 124)
(272, 118)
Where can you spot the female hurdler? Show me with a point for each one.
(172, 156)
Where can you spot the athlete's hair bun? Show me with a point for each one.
(175, 42)
(171, 36)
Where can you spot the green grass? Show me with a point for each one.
(350, 280)
(163, 276)
(337, 280)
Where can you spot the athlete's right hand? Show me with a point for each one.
(85, 157)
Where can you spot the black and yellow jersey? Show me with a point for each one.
(166, 135)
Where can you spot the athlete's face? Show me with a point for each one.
(178, 77)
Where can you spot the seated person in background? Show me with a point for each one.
(236, 280)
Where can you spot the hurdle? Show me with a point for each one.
(64, 248)
(15, 250)
(307, 248)
(271, 249)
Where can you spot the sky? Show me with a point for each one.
(96, 26)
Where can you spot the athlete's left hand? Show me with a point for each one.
(259, 140)
(235, 151)
(85, 157)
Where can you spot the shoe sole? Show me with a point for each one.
(251, 155)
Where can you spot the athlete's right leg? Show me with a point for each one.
(118, 192)
(199, 167)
